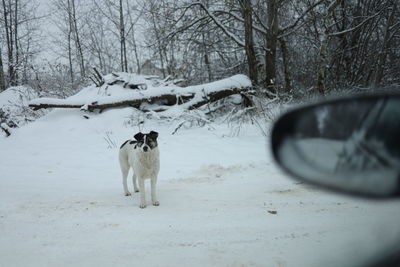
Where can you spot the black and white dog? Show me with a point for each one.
(143, 156)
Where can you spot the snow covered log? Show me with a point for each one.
(90, 106)
(126, 82)
(159, 98)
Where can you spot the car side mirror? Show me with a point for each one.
(349, 145)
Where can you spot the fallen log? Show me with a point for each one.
(215, 96)
(190, 102)
(190, 98)
(51, 105)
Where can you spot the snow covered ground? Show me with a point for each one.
(62, 202)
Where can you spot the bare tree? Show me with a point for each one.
(389, 31)
(124, 63)
(69, 39)
(320, 85)
(76, 36)
(285, 46)
(7, 16)
(2, 80)
(18, 20)
(249, 44)
(119, 24)
(16, 24)
(271, 43)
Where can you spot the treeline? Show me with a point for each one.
(285, 46)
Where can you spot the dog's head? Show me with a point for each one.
(146, 142)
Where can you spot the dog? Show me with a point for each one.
(143, 157)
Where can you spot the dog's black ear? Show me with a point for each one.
(153, 135)
(139, 136)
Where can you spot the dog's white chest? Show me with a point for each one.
(146, 164)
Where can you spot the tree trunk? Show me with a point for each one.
(2, 80)
(286, 65)
(136, 53)
(208, 66)
(16, 43)
(320, 85)
(77, 41)
(9, 40)
(249, 44)
(70, 33)
(207, 57)
(25, 60)
(384, 50)
(124, 62)
(160, 52)
(272, 34)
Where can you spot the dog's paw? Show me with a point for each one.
(127, 194)
(142, 206)
(156, 203)
(137, 191)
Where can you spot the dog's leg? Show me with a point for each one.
(135, 187)
(125, 171)
(153, 192)
(124, 164)
(142, 193)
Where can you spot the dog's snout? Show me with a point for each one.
(145, 149)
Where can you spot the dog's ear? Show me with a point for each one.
(153, 135)
(138, 136)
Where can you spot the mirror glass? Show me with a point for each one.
(351, 144)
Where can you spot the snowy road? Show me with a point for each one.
(62, 203)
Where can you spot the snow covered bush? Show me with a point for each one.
(14, 110)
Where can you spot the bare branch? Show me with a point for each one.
(355, 27)
(231, 35)
(287, 30)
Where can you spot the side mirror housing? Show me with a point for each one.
(349, 144)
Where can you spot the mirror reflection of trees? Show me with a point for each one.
(362, 133)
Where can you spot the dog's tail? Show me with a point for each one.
(124, 144)
(130, 142)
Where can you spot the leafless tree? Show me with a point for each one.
(18, 23)
(284, 46)
(76, 36)
(2, 80)
(321, 72)
(249, 44)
